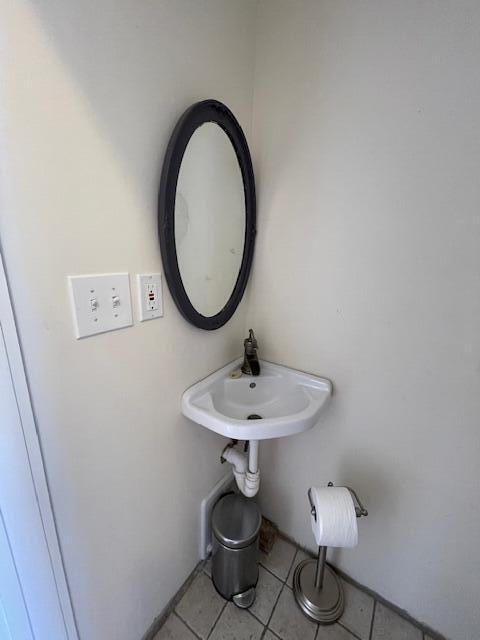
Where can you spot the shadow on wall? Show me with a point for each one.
(94, 90)
(121, 74)
(375, 490)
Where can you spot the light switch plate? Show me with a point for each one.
(100, 303)
(150, 298)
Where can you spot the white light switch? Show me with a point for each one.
(150, 301)
(100, 303)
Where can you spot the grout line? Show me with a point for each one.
(386, 603)
(254, 616)
(291, 587)
(425, 629)
(160, 620)
(200, 568)
(273, 633)
(217, 619)
(187, 625)
(352, 633)
(374, 610)
(267, 626)
(291, 565)
(273, 574)
(284, 581)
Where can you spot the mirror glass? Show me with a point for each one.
(207, 214)
(209, 220)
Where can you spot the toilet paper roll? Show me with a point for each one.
(336, 523)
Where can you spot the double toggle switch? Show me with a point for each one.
(100, 303)
(94, 303)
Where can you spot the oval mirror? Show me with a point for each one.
(207, 214)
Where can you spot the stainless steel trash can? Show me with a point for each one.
(236, 522)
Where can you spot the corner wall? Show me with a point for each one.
(367, 271)
(90, 94)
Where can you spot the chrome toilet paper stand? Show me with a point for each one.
(317, 588)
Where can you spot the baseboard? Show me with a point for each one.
(225, 484)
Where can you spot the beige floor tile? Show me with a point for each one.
(268, 589)
(236, 624)
(289, 622)
(174, 629)
(202, 611)
(334, 632)
(280, 558)
(201, 605)
(299, 556)
(357, 616)
(388, 625)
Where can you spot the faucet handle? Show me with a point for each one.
(251, 341)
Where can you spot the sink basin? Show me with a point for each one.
(279, 402)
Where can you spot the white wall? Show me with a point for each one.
(91, 92)
(367, 271)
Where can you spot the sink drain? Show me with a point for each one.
(254, 416)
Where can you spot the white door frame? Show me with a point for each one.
(30, 435)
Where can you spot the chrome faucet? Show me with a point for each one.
(251, 365)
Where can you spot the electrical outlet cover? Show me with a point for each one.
(150, 298)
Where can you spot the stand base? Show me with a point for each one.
(323, 605)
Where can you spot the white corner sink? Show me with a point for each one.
(287, 401)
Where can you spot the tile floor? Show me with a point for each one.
(203, 614)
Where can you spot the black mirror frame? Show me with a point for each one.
(196, 115)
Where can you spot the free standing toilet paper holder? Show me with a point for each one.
(317, 588)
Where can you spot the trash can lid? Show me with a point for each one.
(236, 521)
